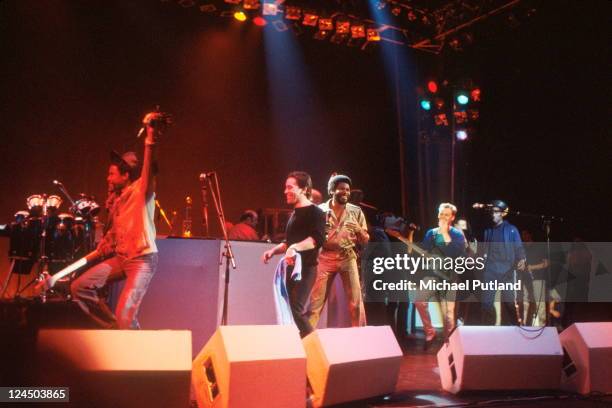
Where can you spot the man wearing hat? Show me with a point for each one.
(345, 228)
(128, 245)
(504, 254)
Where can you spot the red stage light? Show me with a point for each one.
(441, 119)
(432, 86)
(475, 94)
(358, 31)
(259, 21)
(293, 13)
(460, 117)
(343, 27)
(310, 19)
(326, 24)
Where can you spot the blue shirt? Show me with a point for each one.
(453, 249)
(503, 248)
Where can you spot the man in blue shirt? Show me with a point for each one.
(504, 254)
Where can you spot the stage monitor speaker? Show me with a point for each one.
(117, 368)
(251, 366)
(346, 364)
(587, 366)
(500, 358)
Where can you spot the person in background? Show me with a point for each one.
(245, 229)
(447, 241)
(504, 253)
(316, 197)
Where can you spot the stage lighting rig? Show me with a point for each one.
(451, 103)
(424, 25)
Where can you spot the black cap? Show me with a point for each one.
(501, 205)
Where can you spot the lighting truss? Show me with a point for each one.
(425, 25)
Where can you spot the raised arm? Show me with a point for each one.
(155, 125)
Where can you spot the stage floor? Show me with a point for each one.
(419, 385)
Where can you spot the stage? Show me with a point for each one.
(444, 119)
(418, 383)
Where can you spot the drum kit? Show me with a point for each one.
(48, 237)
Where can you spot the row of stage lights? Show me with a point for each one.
(438, 103)
(339, 29)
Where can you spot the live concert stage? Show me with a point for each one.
(305, 203)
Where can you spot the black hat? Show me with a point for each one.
(501, 205)
(334, 180)
(128, 161)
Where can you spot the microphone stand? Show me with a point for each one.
(63, 189)
(204, 189)
(546, 220)
(211, 180)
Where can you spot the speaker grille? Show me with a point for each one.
(211, 379)
(569, 368)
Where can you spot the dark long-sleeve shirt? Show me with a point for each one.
(307, 222)
(503, 248)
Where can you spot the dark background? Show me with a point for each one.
(77, 77)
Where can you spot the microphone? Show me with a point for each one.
(58, 183)
(414, 227)
(480, 206)
(140, 132)
(204, 176)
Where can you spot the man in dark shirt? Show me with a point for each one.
(305, 235)
(504, 254)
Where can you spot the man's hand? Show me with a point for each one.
(290, 256)
(267, 255)
(353, 227)
(443, 227)
(155, 124)
(43, 284)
